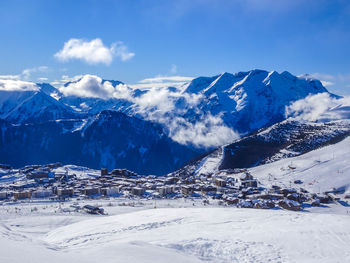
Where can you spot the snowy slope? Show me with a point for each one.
(320, 170)
(318, 157)
(282, 140)
(138, 234)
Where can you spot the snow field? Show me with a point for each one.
(145, 234)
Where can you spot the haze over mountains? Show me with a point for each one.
(104, 123)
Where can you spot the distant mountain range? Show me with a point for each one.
(153, 131)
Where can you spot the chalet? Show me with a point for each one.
(249, 183)
(289, 205)
(41, 193)
(187, 190)
(123, 172)
(269, 196)
(92, 191)
(110, 191)
(230, 199)
(297, 197)
(150, 186)
(263, 204)
(208, 188)
(104, 171)
(24, 184)
(164, 190)
(3, 195)
(53, 165)
(334, 197)
(65, 192)
(95, 210)
(137, 191)
(316, 202)
(117, 172)
(220, 182)
(171, 180)
(246, 177)
(287, 191)
(38, 174)
(22, 195)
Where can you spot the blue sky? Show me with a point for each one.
(144, 39)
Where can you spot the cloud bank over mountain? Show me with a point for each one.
(17, 85)
(159, 104)
(319, 107)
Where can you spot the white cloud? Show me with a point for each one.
(13, 77)
(160, 79)
(17, 85)
(208, 132)
(89, 86)
(162, 105)
(93, 52)
(66, 78)
(26, 73)
(121, 51)
(156, 85)
(319, 107)
(42, 79)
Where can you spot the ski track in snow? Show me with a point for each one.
(210, 163)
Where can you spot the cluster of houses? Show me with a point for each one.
(232, 187)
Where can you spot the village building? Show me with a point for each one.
(65, 192)
(104, 171)
(93, 190)
(187, 190)
(110, 191)
(93, 209)
(41, 193)
(220, 182)
(22, 195)
(3, 195)
(164, 190)
(137, 191)
(38, 174)
(249, 183)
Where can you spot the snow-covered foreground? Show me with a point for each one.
(175, 234)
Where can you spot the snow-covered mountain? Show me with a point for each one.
(251, 100)
(32, 106)
(234, 104)
(283, 140)
(189, 119)
(111, 139)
